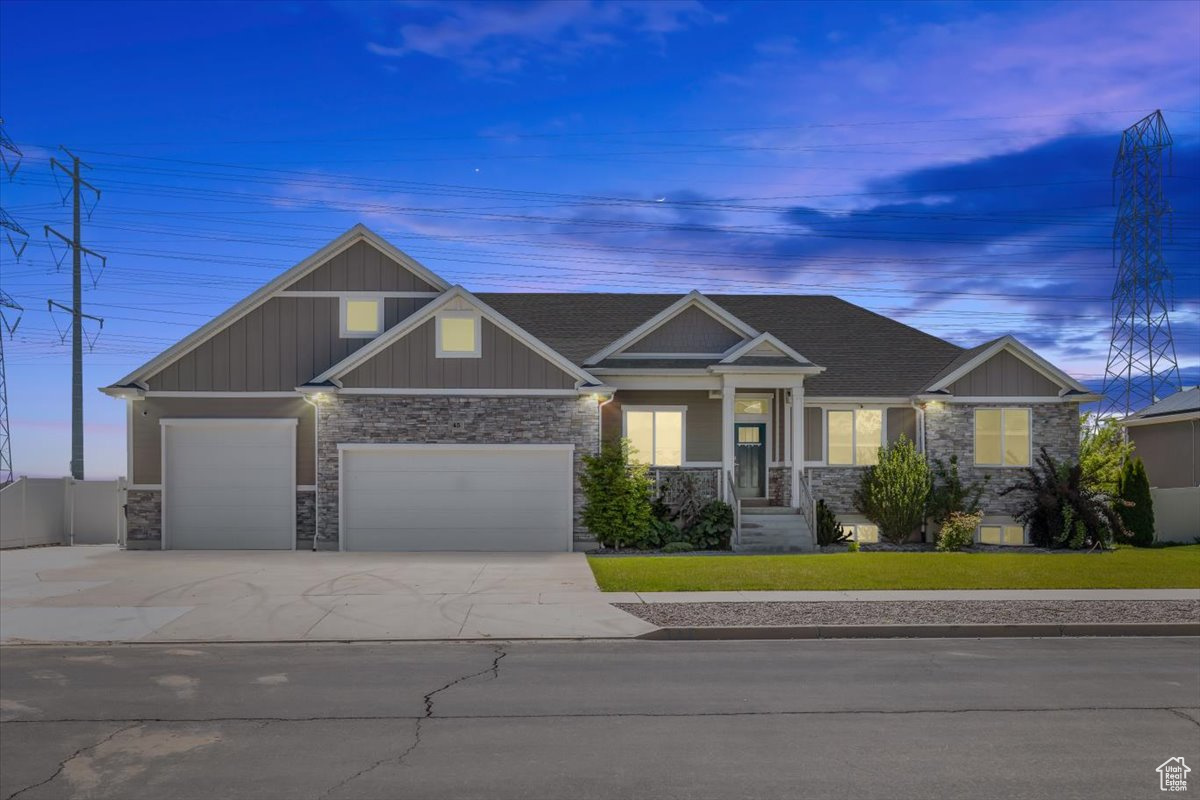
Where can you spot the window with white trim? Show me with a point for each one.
(361, 317)
(458, 334)
(854, 436)
(861, 532)
(655, 434)
(1013, 535)
(1003, 437)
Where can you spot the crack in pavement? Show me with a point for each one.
(1179, 712)
(493, 670)
(63, 764)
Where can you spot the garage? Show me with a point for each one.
(229, 484)
(423, 497)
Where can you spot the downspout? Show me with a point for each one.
(919, 408)
(316, 468)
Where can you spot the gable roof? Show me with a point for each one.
(359, 233)
(765, 350)
(1186, 401)
(426, 313)
(858, 348)
(966, 362)
(693, 299)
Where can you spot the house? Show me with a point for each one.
(360, 399)
(1166, 436)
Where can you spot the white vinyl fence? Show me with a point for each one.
(1176, 514)
(37, 511)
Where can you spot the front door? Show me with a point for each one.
(750, 458)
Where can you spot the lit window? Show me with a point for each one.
(656, 435)
(756, 406)
(1011, 535)
(861, 532)
(749, 434)
(362, 317)
(855, 436)
(1002, 437)
(458, 335)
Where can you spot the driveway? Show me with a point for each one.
(102, 594)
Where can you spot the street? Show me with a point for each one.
(1003, 718)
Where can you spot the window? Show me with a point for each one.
(855, 436)
(861, 532)
(361, 317)
(750, 406)
(749, 434)
(656, 435)
(458, 334)
(1002, 437)
(1002, 534)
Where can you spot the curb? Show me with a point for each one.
(979, 631)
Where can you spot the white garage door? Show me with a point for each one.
(456, 497)
(229, 484)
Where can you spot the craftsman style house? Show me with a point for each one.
(360, 402)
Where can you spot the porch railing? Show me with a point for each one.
(735, 503)
(807, 505)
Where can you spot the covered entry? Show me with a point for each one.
(414, 497)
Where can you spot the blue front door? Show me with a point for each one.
(750, 458)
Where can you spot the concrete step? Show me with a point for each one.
(766, 549)
(764, 511)
(775, 523)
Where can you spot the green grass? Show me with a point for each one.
(1125, 568)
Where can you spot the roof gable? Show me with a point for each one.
(762, 347)
(1004, 360)
(364, 266)
(690, 316)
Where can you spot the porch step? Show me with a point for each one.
(767, 510)
(781, 530)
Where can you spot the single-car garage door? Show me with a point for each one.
(456, 497)
(229, 484)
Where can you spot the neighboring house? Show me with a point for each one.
(361, 397)
(1166, 436)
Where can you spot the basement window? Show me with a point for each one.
(361, 317)
(861, 532)
(1013, 535)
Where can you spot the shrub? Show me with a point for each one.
(683, 498)
(713, 528)
(678, 547)
(1103, 452)
(662, 525)
(948, 494)
(617, 490)
(958, 531)
(1060, 510)
(1137, 507)
(892, 493)
(829, 530)
(853, 548)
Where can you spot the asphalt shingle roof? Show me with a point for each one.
(864, 354)
(1179, 403)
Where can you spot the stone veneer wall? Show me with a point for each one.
(835, 485)
(306, 516)
(421, 419)
(950, 430)
(779, 486)
(143, 519)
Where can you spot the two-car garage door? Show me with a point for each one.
(456, 497)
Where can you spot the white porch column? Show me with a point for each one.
(797, 442)
(727, 397)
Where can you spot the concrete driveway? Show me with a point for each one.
(102, 594)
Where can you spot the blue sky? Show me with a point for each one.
(946, 164)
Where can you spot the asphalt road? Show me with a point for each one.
(1003, 718)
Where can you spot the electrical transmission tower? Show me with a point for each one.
(1141, 356)
(10, 159)
(78, 184)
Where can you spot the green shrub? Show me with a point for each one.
(892, 493)
(617, 508)
(948, 494)
(958, 531)
(713, 529)
(1103, 452)
(1060, 510)
(662, 525)
(1136, 506)
(678, 547)
(829, 530)
(853, 548)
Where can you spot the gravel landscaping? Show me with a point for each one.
(917, 612)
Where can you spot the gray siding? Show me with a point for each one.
(361, 268)
(901, 421)
(1004, 375)
(276, 347)
(411, 363)
(814, 433)
(702, 437)
(1169, 451)
(147, 433)
(692, 331)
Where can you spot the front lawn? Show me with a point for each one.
(1126, 568)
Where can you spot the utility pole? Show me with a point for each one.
(76, 309)
(11, 228)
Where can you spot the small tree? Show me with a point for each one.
(1103, 453)
(1136, 506)
(617, 490)
(949, 495)
(892, 493)
(1060, 509)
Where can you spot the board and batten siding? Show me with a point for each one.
(149, 411)
(411, 362)
(361, 268)
(901, 420)
(702, 437)
(691, 331)
(1004, 375)
(276, 347)
(814, 434)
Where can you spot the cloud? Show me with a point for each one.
(507, 37)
